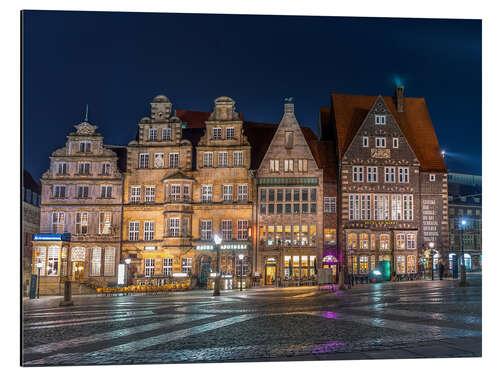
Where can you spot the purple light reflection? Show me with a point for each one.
(329, 315)
(328, 347)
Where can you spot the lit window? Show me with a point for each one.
(352, 241)
(400, 241)
(242, 229)
(105, 222)
(363, 241)
(363, 264)
(82, 223)
(302, 165)
(288, 165)
(95, 261)
(385, 241)
(412, 263)
(400, 264)
(274, 165)
(411, 241)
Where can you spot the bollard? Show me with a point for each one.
(67, 295)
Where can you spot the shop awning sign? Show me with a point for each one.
(52, 237)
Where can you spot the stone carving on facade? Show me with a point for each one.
(380, 153)
(159, 161)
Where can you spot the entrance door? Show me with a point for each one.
(204, 269)
(270, 274)
(78, 268)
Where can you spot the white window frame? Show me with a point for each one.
(106, 191)
(105, 222)
(242, 230)
(86, 147)
(381, 206)
(59, 191)
(153, 134)
(222, 159)
(380, 142)
(288, 165)
(365, 207)
(133, 231)
(166, 134)
(149, 267)
(390, 175)
(149, 230)
(173, 160)
(408, 207)
(62, 168)
(206, 230)
(207, 193)
(143, 160)
(174, 227)
(366, 142)
(135, 193)
(411, 241)
(81, 222)
(372, 174)
(330, 205)
(354, 204)
(175, 193)
(84, 168)
(95, 261)
(396, 207)
(208, 159)
(380, 119)
(109, 261)
(150, 194)
(302, 165)
(274, 165)
(395, 142)
(106, 169)
(227, 193)
(237, 158)
(403, 175)
(82, 191)
(187, 265)
(227, 230)
(243, 193)
(432, 177)
(217, 133)
(357, 174)
(230, 133)
(167, 264)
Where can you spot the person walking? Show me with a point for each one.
(441, 270)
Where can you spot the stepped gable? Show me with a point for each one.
(349, 112)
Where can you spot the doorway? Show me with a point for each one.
(270, 274)
(78, 269)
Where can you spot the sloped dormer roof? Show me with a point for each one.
(349, 112)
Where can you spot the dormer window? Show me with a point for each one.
(432, 177)
(380, 119)
(85, 147)
(217, 133)
(229, 133)
(166, 134)
(365, 141)
(153, 134)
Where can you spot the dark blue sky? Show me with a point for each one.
(117, 62)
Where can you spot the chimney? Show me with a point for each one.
(289, 108)
(400, 98)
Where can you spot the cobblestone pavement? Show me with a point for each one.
(388, 320)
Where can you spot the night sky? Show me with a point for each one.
(117, 62)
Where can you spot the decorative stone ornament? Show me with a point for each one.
(85, 128)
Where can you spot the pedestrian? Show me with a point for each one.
(441, 270)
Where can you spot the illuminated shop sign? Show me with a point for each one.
(204, 247)
(149, 247)
(223, 247)
(52, 237)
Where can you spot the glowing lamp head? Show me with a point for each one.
(463, 222)
(377, 273)
(443, 153)
(431, 245)
(39, 265)
(241, 256)
(128, 260)
(217, 239)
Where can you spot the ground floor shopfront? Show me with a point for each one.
(162, 264)
(57, 258)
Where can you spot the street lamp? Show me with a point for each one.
(127, 263)
(443, 153)
(463, 275)
(38, 266)
(217, 241)
(241, 256)
(431, 246)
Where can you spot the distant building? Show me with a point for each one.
(31, 222)
(465, 204)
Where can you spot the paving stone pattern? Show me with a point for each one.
(418, 319)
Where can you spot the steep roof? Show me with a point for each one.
(259, 134)
(349, 111)
(324, 154)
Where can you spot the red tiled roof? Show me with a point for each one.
(414, 122)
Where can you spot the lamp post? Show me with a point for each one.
(431, 246)
(127, 263)
(217, 241)
(463, 275)
(38, 266)
(241, 256)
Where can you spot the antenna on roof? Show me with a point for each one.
(87, 114)
(290, 99)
